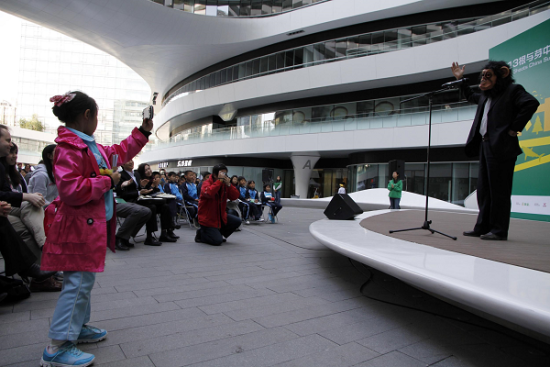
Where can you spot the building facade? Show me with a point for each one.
(319, 94)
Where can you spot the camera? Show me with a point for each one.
(148, 112)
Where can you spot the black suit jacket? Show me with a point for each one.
(14, 198)
(129, 193)
(511, 110)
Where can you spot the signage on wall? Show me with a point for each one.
(163, 164)
(185, 163)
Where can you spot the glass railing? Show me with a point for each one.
(237, 8)
(399, 118)
(355, 46)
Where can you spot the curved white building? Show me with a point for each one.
(311, 90)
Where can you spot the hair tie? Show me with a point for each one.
(59, 100)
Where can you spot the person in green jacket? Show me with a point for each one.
(395, 186)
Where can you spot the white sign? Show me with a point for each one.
(185, 163)
(163, 164)
(528, 204)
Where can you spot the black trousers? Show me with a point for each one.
(17, 256)
(213, 236)
(275, 207)
(166, 221)
(494, 188)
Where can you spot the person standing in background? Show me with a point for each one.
(395, 186)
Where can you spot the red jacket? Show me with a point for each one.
(77, 238)
(213, 200)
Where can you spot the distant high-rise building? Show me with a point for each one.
(52, 63)
(7, 113)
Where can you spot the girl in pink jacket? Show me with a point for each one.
(83, 223)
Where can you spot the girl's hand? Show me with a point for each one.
(144, 182)
(35, 199)
(147, 124)
(116, 177)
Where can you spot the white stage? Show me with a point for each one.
(514, 296)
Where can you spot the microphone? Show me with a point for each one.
(455, 83)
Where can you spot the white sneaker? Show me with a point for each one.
(260, 220)
(246, 222)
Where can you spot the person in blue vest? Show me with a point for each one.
(269, 199)
(190, 194)
(254, 200)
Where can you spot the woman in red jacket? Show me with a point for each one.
(216, 224)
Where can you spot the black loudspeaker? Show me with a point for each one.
(267, 176)
(397, 166)
(342, 207)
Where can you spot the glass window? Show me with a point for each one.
(330, 49)
(287, 5)
(256, 67)
(289, 58)
(249, 66)
(200, 7)
(308, 55)
(404, 38)
(223, 10)
(242, 70)
(256, 8)
(236, 72)
(298, 56)
(234, 7)
(272, 62)
(223, 76)
(179, 4)
(245, 7)
(341, 47)
(296, 4)
(277, 6)
(263, 64)
(319, 52)
(266, 6)
(280, 60)
(211, 7)
(390, 40)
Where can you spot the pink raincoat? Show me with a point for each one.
(77, 238)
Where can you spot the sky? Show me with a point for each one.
(10, 36)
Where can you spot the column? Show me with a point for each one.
(303, 165)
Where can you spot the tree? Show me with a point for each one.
(32, 124)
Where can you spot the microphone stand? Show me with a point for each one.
(427, 222)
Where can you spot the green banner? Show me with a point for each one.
(528, 55)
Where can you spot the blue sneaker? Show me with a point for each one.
(67, 355)
(90, 334)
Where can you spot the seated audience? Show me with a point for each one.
(191, 196)
(129, 189)
(253, 198)
(216, 224)
(42, 180)
(17, 256)
(270, 200)
(244, 204)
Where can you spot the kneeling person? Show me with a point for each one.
(214, 221)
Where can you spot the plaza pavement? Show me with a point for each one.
(270, 296)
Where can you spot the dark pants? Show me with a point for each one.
(245, 210)
(255, 211)
(135, 217)
(213, 236)
(494, 188)
(394, 203)
(166, 221)
(275, 207)
(17, 256)
(192, 208)
(278, 196)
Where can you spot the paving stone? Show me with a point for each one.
(270, 296)
(192, 337)
(220, 348)
(272, 354)
(393, 359)
(345, 355)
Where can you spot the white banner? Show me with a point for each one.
(531, 204)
